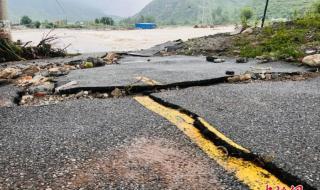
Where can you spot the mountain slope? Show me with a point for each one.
(72, 10)
(216, 11)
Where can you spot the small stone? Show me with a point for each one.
(262, 76)
(247, 31)
(274, 76)
(46, 87)
(242, 60)
(86, 93)
(230, 72)
(117, 93)
(268, 76)
(245, 77)
(26, 99)
(31, 70)
(310, 51)
(219, 60)
(234, 79)
(10, 73)
(79, 94)
(96, 62)
(111, 58)
(312, 60)
(211, 58)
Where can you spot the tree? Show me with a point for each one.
(25, 20)
(37, 24)
(106, 21)
(245, 15)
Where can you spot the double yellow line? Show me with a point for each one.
(247, 172)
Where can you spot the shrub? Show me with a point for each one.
(246, 14)
(25, 20)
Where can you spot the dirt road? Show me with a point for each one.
(88, 41)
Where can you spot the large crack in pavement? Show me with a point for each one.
(151, 86)
(236, 152)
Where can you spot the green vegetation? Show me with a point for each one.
(245, 15)
(220, 11)
(105, 21)
(15, 51)
(283, 40)
(25, 20)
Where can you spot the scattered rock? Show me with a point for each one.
(10, 73)
(310, 51)
(45, 88)
(239, 78)
(31, 70)
(268, 76)
(242, 60)
(79, 94)
(117, 93)
(312, 60)
(247, 31)
(219, 60)
(290, 59)
(245, 77)
(230, 72)
(111, 58)
(57, 72)
(211, 58)
(96, 62)
(234, 79)
(26, 99)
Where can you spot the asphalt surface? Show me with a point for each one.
(8, 93)
(166, 70)
(277, 120)
(101, 144)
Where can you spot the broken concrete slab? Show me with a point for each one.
(165, 70)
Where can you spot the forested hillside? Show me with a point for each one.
(217, 11)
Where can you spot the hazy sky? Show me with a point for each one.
(122, 8)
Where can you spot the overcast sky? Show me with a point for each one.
(123, 8)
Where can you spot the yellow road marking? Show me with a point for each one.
(148, 81)
(249, 173)
(221, 136)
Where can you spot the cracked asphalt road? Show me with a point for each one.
(97, 144)
(278, 120)
(117, 143)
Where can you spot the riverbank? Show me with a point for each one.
(88, 41)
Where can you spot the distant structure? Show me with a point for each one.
(4, 22)
(146, 26)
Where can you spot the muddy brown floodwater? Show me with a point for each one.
(88, 41)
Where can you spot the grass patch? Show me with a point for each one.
(281, 40)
